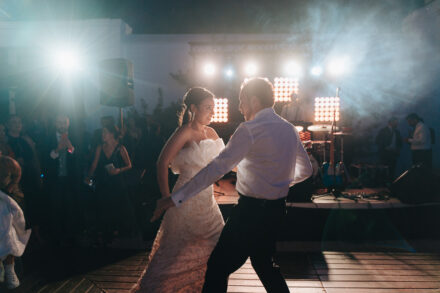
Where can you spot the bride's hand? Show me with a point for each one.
(162, 205)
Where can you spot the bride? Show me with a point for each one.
(187, 234)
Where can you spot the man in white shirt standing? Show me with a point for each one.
(269, 157)
(420, 141)
(389, 143)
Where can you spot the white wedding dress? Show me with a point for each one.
(187, 234)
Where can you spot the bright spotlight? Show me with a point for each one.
(293, 69)
(67, 60)
(209, 69)
(251, 69)
(284, 87)
(316, 70)
(229, 72)
(327, 109)
(220, 110)
(338, 66)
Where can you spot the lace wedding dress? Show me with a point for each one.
(187, 234)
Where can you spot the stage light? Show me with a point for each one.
(209, 69)
(293, 69)
(284, 88)
(229, 72)
(325, 111)
(316, 70)
(338, 66)
(251, 69)
(66, 60)
(220, 110)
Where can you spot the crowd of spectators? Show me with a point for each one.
(97, 187)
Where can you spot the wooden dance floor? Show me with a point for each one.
(305, 272)
(349, 272)
(310, 263)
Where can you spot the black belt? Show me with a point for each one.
(261, 201)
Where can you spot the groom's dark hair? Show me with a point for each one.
(261, 88)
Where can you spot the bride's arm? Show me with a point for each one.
(174, 144)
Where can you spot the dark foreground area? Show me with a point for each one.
(366, 269)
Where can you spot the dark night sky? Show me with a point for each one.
(217, 16)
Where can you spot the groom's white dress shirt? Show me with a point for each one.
(269, 157)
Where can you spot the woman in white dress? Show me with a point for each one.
(13, 234)
(187, 234)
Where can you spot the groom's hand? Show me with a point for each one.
(162, 205)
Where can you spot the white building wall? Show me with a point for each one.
(154, 58)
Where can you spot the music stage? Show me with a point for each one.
(363, 215)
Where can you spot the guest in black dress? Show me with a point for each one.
(115, 212)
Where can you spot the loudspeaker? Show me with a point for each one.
(415, 185)
(116, 80)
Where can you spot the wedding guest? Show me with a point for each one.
(106, 121)
(420, 141)
(14, 235)
(25, 154)
(389, 143)
(115, 211)
(5, 148)
(62, 178)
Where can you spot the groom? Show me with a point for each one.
(269, 157)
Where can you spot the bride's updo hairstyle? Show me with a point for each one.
(194, 96)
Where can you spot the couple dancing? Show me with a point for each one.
(194, 250)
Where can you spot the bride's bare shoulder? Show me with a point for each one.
(180, 136)
(211, 133)
(183, 130)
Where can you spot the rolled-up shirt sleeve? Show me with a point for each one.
(303, 166)
(236, 149)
